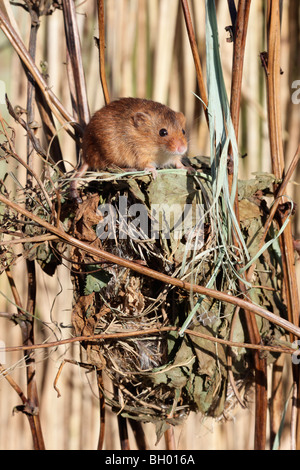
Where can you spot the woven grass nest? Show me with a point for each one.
(161, 377)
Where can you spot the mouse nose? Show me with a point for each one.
(177, 146)
(181, 148)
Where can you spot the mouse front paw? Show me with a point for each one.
(188, 168)
(191, 170)
(152, 170)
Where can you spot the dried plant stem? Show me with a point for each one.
(27, 324)
(229, 360)
(294, 413)
(276, 148)
(74, 52)
(13, 384)
(14, 290)
(240, 33)
(139, 434)
(151, 331)
(27, 407)
(194, 48)
(277, 158)
(101, 27)
(273, 87)
(170, 439)
(27, 328)
(277, 398)
(122, 425)
(38, 238)
(30, 403)
(101, 409)
(232, 11)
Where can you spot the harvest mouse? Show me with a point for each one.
(133, 133)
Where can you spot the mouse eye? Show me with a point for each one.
(183, 131)
(163, 132)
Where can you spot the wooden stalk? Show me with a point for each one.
(194, 49)
(240, 33)
(74, 53)
(273, 72)
(101, 26)
(27, 325)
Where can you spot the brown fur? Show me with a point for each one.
(125, 134)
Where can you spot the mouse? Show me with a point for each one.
(135, 134)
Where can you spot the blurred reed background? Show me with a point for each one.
(148, 55)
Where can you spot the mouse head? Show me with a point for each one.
(165, 131)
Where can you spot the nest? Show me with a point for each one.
(161, 376)
(152, 346)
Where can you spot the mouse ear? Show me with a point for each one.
(140, 118)
(181, 118)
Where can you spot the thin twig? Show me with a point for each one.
(271, 63)
(13, 384)
(122, 425)
(74, 49)
(101, 27)
(229, 360)
(101, 409)
(27, 323)
(194, 48)
(33, 239)
(170, 438)
(139, 434)
(240, 34)
(151, 331)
